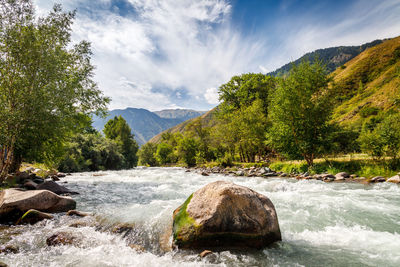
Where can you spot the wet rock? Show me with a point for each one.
(283, 175)
(38, 180)
(9, 249)
(205, 253)
(14, 203)
(30, 185)
(377, 179)
(204, 173)
(61, 175)
(2, 264)
(77, 213)
(21, 177)
(55, 188)
(353, 176)
(240, 173)
(341, 176)
(122, 228)
(78, 224)
(269, 174)
(33, 216)
(395, 179)
(225, 215)
(138, 248)
(61, 238)
(55, 178)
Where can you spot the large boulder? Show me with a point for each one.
(55, 188)
(14, 203)
(225, 215)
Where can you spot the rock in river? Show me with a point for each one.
(14, 202)
(55, 188)
(225, 215)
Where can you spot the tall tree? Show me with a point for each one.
(45, 82)
(118, 129)
(300, 111)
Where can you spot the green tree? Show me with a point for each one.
(300, 111)
(242, 90)
(117, 129)
(147, 154)
(164, 153)
(383, 139)
(187, 150)
(45, 83)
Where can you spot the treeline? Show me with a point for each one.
(263, 117)
(92, 151)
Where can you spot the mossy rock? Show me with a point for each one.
(33, 216)
(225, 215)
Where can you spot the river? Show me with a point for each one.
(322, 224)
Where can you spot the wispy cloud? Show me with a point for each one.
(176, 53)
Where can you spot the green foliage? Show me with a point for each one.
(118, 130)
(147, 156)
(46, 82)
(300, 111)
(384, 139)
(164, 153)
(187, 149)
(368, 111)
(91, 152)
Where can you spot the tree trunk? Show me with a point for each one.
(8, 159)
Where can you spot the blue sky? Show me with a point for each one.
(159, 54)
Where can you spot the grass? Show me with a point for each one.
(360, 164)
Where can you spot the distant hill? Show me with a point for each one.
(183, 114)
(146, 124)
(333, 56)
(207, 120)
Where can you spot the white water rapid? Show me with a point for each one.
(322, 224)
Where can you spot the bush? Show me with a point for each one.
(366, 111)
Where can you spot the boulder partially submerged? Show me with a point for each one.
(225, 215)
(14, 203)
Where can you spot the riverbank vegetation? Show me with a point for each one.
(295, 123)
(47, 95)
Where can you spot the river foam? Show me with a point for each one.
(322, 224)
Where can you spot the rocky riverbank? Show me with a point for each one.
(266, 172)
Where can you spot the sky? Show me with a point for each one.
(162, 54)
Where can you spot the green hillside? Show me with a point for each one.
(368, 85)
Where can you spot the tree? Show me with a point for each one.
(45, 83)
(244, 89)
(91, 152)
(187, 149)
(300, 111)
(164, 153)
(383, 139)
(147, 154)
(117, 129)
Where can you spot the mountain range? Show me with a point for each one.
(146, 124)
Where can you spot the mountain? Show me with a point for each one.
(207, 120)
(368, 85)
(183, 114)
(146, 124)
(333, 57)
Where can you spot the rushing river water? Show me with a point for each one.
(322, 224)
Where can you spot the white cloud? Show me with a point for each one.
(212, 96)
(166, 52)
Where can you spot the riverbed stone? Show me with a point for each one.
(225, 215)
(2, 264)
(77, 213)
(30, 185)
(9, 249)
(61, 238)
(33, 216)
(377, 179)
(55, 188)
(341, 176)
(395, 179)
(15, 202)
